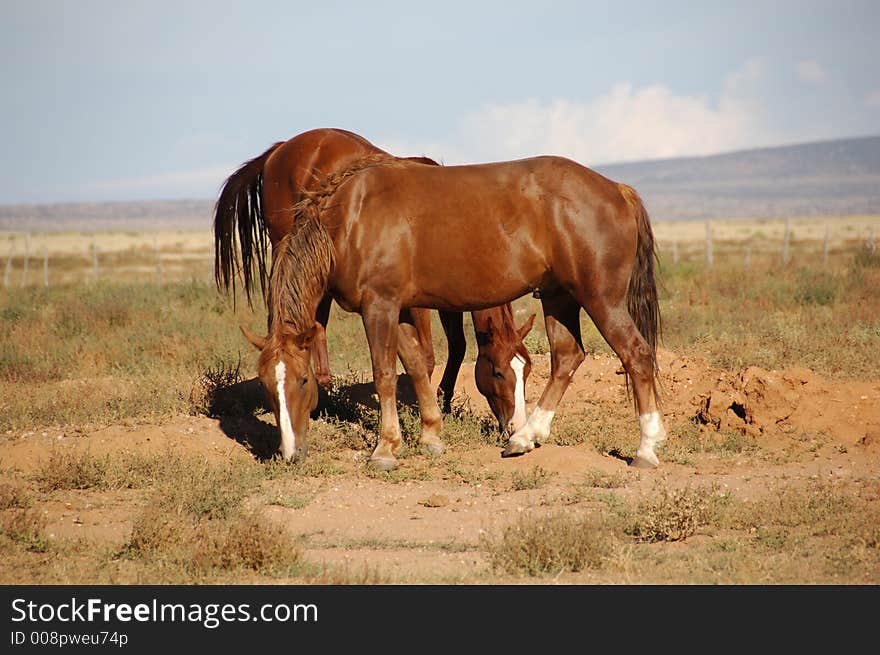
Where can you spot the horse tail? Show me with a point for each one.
(240, 208)
(641, 297)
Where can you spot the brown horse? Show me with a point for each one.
(256, 206)
(386, 235)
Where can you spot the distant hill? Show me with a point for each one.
(825, 178)
(141, 216)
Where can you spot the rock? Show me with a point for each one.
(435, 500)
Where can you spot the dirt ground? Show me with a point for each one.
(427, 525)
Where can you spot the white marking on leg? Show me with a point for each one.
(541, 419)
(536, 429)
(288, 438)
(653, 433)
(518, 364)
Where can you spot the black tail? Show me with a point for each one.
(240, 202)
(641, 298)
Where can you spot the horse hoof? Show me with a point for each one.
(515, 448)
(383, 463)
(432, 448)
(643, 462)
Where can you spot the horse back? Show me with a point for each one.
(506, 223)
(300, 164)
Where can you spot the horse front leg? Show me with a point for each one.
(562, 321)
(319, 345)
(380, 318)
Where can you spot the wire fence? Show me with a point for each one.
(29, 267)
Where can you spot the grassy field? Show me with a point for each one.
(114, 351)
(109, 351)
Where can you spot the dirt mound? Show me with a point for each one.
(772, 404)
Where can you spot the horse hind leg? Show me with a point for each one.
(562, 322)
(319, 347)
(454, 329)
(617, 327)
(411, 355)
(421, 319)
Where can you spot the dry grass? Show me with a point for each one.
(674, 514)
(14, 496)
(197, 524)
(26, 528)
(534, 478)
(167, 538)
(540, 545)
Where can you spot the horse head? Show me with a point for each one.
(286, 375)
(502, 368)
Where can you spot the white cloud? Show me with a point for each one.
(812, 71)
(625, 123)
(873, 99)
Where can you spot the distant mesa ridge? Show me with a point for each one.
(839, 177)
(825, 178)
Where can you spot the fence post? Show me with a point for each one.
(785, 241)
(46, 266)
(748, 256)
(872, 247)
(709, 257)
(27, 256)
(675, 251)
(95, 260)
(825, 247)
(8, 264)
(158, 260)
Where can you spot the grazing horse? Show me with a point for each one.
(386, 235)
(256, 206)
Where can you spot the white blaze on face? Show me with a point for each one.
(288, 439)
(518, 364)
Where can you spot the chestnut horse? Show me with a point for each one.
(255, 206)
(387, 234)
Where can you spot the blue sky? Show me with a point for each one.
(116, 100)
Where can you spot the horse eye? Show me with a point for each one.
(498, 374)
(303, 382)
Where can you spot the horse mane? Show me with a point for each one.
(304, 258)
(509, 333)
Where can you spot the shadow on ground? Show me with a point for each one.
(238, 407)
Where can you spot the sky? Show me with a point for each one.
(125, 100)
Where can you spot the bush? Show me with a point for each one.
(550, 544)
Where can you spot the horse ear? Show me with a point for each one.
(256, 341)
(490, 327)
(305, 340)
(526, 327)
